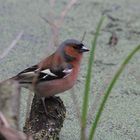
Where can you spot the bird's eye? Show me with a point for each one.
(75, 47)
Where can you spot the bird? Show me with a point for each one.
(56, 73)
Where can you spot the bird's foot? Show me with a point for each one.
(48, 114)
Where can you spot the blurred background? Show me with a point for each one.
(121, 117)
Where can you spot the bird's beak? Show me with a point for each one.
(84, 49)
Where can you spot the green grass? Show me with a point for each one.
(107, 91)
(88, 81)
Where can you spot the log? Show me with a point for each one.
(44, 126)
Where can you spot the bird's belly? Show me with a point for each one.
(51, 88)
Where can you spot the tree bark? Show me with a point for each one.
(44, 126)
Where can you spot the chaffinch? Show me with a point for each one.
(56, 73)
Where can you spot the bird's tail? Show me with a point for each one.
(19, 80)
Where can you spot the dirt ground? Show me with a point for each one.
(121, 117)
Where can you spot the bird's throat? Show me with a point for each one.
(69, 58)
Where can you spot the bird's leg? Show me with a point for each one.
(45, 109)
(44, 105)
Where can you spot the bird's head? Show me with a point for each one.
(72, 50)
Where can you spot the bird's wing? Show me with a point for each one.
(48, 74)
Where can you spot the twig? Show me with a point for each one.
(52, 24)
(55, 25)
(65, 11)
(3, 121)
(51, 13)
(83, 37)
(9, 133)
(34, 81)
(12, 45)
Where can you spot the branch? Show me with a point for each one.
(65, 11)
(12, 45)
(7, 133)
(3, 121)
(10, 101)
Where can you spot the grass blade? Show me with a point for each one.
(88, 81)
(108, 91)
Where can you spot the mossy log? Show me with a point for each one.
(44, 126)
